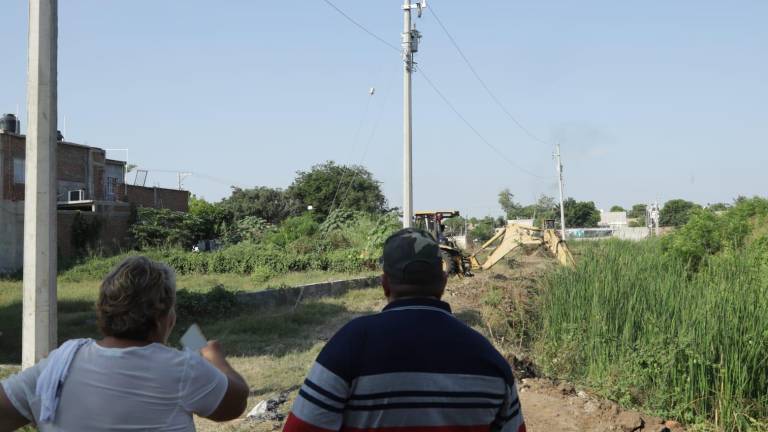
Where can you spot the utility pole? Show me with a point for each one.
(39, 303)
(410, 44)
(560, 183)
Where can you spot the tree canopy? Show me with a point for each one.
(617, 208)
(582, 214)
(271, 205)
(329, 186)
(676, 212)
(544, 208)
(211, 217)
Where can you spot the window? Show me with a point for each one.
(18, 170)
(112, 185)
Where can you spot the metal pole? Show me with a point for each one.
(560, 183)
(39, 303)
(407, 118)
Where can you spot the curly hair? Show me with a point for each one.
(133, 296)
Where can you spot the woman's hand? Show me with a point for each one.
(214, 353)
(235, 400)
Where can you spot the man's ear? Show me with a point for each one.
(385, 284)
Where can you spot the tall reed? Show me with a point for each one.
(641, 326)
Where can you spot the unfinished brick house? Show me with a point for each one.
(87, 182)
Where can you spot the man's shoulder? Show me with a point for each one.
(356, 327)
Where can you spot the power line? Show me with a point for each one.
(482, 82)
(473, 129)
(442, 96)
(365, 150)
(361, 27)
(354, 144)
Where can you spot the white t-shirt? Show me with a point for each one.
(140, 388)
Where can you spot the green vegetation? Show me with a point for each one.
(271, 205)
(207, 296)
(544, 208)
(679, 326)
(581, 214)
(329, 186)
(297, 245)
(676, 212)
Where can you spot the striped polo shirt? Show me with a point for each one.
(412, 367)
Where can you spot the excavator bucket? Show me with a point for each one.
(512, 237)
(559, 248)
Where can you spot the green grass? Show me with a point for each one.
(76, 300)
(637, 324)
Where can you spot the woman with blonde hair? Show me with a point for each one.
(130, 379)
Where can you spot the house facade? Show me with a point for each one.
(87, 183)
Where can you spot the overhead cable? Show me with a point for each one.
(474, 129)
(361, 27)
(482, 82)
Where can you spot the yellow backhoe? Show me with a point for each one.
(515, 236)
(512, 237)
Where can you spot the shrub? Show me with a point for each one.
(155, 228)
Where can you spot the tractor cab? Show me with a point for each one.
(454, 260)
(433, 222)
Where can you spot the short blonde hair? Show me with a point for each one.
(133, 296)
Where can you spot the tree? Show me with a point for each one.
(582, 214)
(546, 208)
(329, 186)
(211, 217)
(718, 207)
(482, 229)
(271, 205)
(617, 208)
(676, 212)
(637, 211)
(508, 204)
(637, 215)
(455, 225)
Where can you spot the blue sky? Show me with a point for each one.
(649, 100)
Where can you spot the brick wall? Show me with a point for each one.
(172, 199)
(78, 167)
(11, 147)
(113, 235)
(72, 163)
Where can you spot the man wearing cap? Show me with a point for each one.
(414, 366)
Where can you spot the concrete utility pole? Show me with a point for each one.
(410, 43)
(39, 317)
(560, 183)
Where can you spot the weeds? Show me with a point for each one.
(639, 324)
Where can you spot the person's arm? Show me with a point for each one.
(10, 418)
(235, 399)
(319, 406)
(510, 415)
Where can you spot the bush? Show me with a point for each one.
(707, 233)
(157, 228)
(352, 243)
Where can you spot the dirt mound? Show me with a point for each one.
(559, 407)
